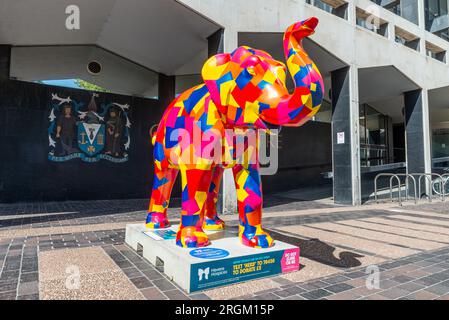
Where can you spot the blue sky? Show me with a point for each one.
(69, 83)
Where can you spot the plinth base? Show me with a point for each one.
(225, 261)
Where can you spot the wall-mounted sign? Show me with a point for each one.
(82, 130)
(340, 137)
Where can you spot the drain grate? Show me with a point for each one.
(159, 264)
(139, 249)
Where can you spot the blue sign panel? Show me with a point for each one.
(211, 274)
(209, 253)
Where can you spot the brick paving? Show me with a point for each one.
(424, 275)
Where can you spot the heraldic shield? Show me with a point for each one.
(91, 138)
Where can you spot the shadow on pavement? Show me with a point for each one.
(319, 251)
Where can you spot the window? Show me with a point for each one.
(440, 148)
(373, 137)
(433, 10)
(338, 8)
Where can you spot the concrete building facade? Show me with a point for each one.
(384, 64)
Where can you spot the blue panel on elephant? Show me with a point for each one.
(248, 208)
(225, 78)
(158, 151)
(238, 113)
(253, 183)
(294, 113)
(171, 137)
(263, 106)
(300, 75)
(317, 95)
(180, 122)
(212, 187)
(203, 123)
(185, 194)
(262, 84)
(191, 220)
(159, 182)
(291, 52)
(263, 240)
(249, 231)
(196, 96)
(243, 79)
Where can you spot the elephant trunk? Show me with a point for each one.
(297, 108)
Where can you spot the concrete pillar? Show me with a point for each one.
(345, 136)
(5, 61)
(166, 89)
(352, 14)
(421, 14)
(228, 187)
(391, 32)
(417, 130)
(215, 43)
(225, 40)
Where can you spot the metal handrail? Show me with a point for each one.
(391, 175)
(407, 192)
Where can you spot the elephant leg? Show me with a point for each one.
(249, 201)
(160, 197)
(211, 219)
(195, 186)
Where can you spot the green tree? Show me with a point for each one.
(90, 86)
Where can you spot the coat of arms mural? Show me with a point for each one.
(88, 132)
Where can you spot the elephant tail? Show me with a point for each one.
(153, 138)
(153, 133)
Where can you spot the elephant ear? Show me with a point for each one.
(218, 78)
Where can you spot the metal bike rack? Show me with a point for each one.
(443, 176)
(407, 192)
(429, 176)
(444, 180)
(392, 176)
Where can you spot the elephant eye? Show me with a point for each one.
(251, 71)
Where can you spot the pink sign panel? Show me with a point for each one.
(290, 260)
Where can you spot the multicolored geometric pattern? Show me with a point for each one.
(205, 130)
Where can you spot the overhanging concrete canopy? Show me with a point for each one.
(70, 62)
(161, 35)
(383, 88)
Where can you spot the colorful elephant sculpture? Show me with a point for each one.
(243, 90)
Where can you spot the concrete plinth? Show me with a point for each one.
(224, 262)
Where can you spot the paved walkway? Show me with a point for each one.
(76, 250)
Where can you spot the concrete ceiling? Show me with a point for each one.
(383, 88)
(129, 28)
(391, 107)
(388, 97)
(70, 62)
(382, 83)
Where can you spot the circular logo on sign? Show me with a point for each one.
(209, 253)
